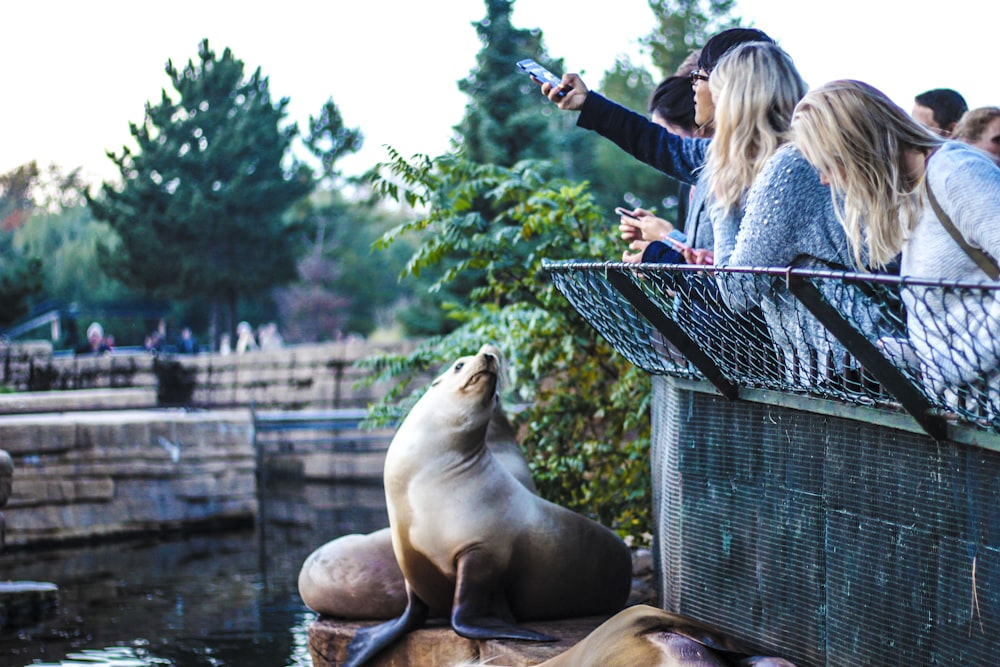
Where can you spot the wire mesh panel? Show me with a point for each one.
(826, 540)
(587, 288)
(740, 521)
(927, 347)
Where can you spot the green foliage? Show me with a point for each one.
(20, 272)
(503, 123)
(199, 211)
(506, 120)
(683, 26)
(329, 139)
(16, 201)
(20, 281)
(585, 425)
(343, 287)
(68, 240)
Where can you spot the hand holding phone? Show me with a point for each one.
(629, 232)
(628, 214)
(700, 256)
(540, 74)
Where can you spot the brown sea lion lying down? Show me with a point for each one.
(643, 636)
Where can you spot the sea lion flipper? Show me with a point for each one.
(369, 641)
(492, 627)
(480, 609)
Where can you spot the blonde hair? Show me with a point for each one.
(755, 87)
(857, 138)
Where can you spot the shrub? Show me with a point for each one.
(585, 425)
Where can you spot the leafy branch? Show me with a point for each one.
(584, 419)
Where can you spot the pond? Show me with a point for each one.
(212, 599)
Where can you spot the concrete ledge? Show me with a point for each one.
(26, 402)
(440, 647)
(24, 603)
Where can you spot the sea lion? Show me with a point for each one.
(470, 537)
(356, 576)
(644, 636)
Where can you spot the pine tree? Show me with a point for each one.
(506, 119)
(199, 210)
(683, 26)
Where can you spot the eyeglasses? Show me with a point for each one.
(696, 76)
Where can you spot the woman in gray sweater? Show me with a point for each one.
(770, 210)
(885, 170)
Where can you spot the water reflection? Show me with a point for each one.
(223, 599)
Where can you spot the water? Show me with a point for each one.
(216, 599)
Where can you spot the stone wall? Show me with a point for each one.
(94, 474)
(321, 375)
(96, 453)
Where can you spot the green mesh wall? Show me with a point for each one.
(828, 540)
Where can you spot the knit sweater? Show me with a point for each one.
(789, 220)
(956, 334)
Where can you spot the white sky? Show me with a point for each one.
(74, 74)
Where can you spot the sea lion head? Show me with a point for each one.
(474, 378)
(462, 398)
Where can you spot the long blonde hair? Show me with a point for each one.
(755, 87)
(857, 138)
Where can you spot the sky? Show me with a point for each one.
(75, 74)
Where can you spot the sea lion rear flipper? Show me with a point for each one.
(367, 642)
(480, 609)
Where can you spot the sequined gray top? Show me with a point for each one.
(789, 220)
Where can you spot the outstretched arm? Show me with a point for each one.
(635, 134)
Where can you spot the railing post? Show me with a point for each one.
(868, 355)
(673, 333)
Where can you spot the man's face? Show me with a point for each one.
(925, 116)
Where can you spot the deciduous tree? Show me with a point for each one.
(586, 425)
(20, 273)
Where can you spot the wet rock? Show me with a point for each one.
(24, 603)
(6, 476)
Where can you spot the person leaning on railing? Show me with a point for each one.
(897, 187)
(773, 211)
(682, 158)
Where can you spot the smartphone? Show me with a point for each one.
(540, 73)
(627, 214)
(678, 245)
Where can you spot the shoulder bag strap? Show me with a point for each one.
(985, 262)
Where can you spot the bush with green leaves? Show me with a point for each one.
(584, 425)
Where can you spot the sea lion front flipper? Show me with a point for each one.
(369, 641)
(480, 609)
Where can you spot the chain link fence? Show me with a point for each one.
(930, 348)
